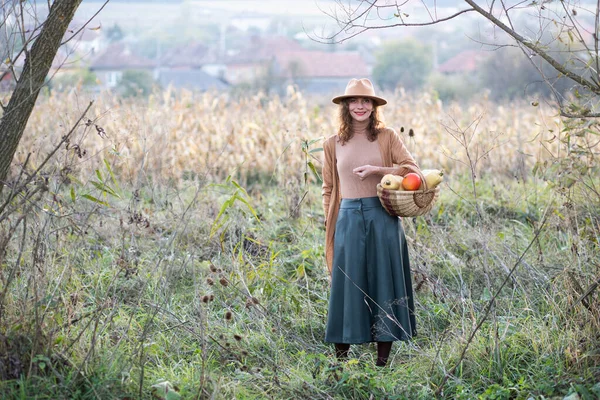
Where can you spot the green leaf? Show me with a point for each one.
(274, 256)
(313, 141)
(74, 179)
(72, 194)
(316, 150)
(572, 396)
(112, 176)
(95, 200)
(486, 295)
(104, 188)
(165, 391)
(100, 186)
(249, 207)
(584, 392)
(314, 171)
(224, 207)
(237, 185)
(596, 389)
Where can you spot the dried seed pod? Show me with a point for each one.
(237, 337)
(228, 315)
(210, 281)
(223, 281)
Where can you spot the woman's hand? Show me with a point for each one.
(366, 170)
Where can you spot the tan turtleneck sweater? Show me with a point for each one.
(357, 152)
(393, 154)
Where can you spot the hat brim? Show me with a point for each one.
(378, 100)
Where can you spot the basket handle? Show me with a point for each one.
(416, 171)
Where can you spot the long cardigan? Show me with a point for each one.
(393, 152)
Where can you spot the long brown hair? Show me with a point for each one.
(345, 131)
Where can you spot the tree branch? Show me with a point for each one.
(35, 70)
(65, 138)
(86, 24)
(536, 49)
(350, 24)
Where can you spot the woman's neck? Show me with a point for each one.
(360, 126)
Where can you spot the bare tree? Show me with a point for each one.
(25, 35)
(562, 28)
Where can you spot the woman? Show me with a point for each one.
(371, 292)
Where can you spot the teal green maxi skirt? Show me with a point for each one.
(371, 298)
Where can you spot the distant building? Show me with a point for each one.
(80, 45)
(85, 40)
(110, 64)
(320, 71)
(255, 60)
(193, 79)
(68, 61)
(193, 66)
(193, 56)
(278, 61)
(463, 63)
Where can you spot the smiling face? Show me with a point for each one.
(360, 108)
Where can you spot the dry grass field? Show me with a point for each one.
(177, 135)
(173, 249)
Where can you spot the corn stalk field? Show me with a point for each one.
(172, 247)
(176, 136)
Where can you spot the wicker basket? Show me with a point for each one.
(400, 203)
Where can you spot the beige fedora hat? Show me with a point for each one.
(360, 88)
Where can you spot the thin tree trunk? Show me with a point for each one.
(37, 65)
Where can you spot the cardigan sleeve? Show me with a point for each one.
(400, 154)
(327, 174)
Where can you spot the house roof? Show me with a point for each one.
(191, 79)
(320, 64)
(120, 56)
(64, 59)
(189, 55)
(264, 48)
(465, 61)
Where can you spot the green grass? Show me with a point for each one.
(237, 308)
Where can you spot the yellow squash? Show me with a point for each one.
(392, 182)
(433, 177)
